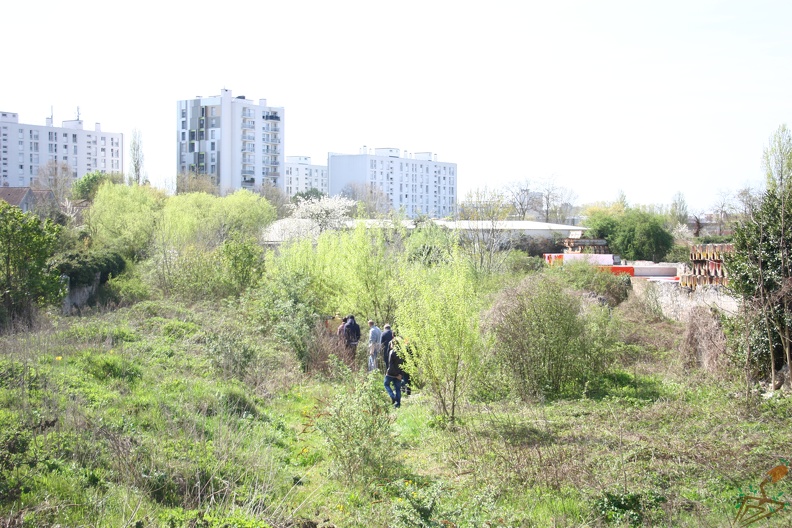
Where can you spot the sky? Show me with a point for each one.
(603, 97)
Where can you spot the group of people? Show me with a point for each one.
(380, 341)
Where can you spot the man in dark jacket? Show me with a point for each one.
(393, 375)
(352, 335)
(385, 339)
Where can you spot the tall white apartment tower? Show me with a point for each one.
(302, 175)
(235, 140)
(416, 183)
(25, 149)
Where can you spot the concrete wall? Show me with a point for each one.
(676, 303)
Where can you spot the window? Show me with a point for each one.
(65, 136)
(212, 146)
(183, 136)
(75, 149)
(211, 134)
(184, 124)
(22, 133)
(74, 138)
(21, 145)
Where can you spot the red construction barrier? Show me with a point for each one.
(617, 270)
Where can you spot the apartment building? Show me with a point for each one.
(237, 141)
(302, 175)
(416, 183)
(26, 149)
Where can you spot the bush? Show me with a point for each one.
(82, 266)
(546, 340)
(583, 276)
(357, 430)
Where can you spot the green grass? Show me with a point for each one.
(144, 417)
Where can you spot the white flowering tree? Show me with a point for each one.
(329, 212)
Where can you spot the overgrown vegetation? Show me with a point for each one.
(204, 389)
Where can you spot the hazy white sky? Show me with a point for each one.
(648, 98)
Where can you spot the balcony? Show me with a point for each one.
(271, 117)
(248, 147)
(248, 124)
(248, 172)
(248, 137)
(247, 112)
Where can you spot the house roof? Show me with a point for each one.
(14, 195)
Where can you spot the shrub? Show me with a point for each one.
(545, 339)
(356, 426)
(584, 276)
(82, 266)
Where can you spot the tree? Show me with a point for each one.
(329, 212)
(438, 315)
(556, 201)
(721, 209)
(372, 201)
(189, 182)
(483, 242)
(123, 218)
(56, 177)
(679, 210)
(86, 187)
(26, 278)
(136, 159)
(635, 234)
(522, 199)
(278, 199)
(312, 193)
(760, 269)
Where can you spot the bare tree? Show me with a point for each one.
(523, 200)
(722, 210)
(56, 177)
(372, 201)
(277, 198)
(556, 201)
(679, 211)
(136, 159)
(190, 182)
(483, 240)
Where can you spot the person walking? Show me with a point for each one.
(352, 336)
(393, 375)
(375, 335)
(385, 339)
(341, 335)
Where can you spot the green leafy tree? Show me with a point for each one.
(635, 234)
(438, 315)
(26, 278)
(123, 218)
(760, 269)
(311, 194)
(86, 187)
